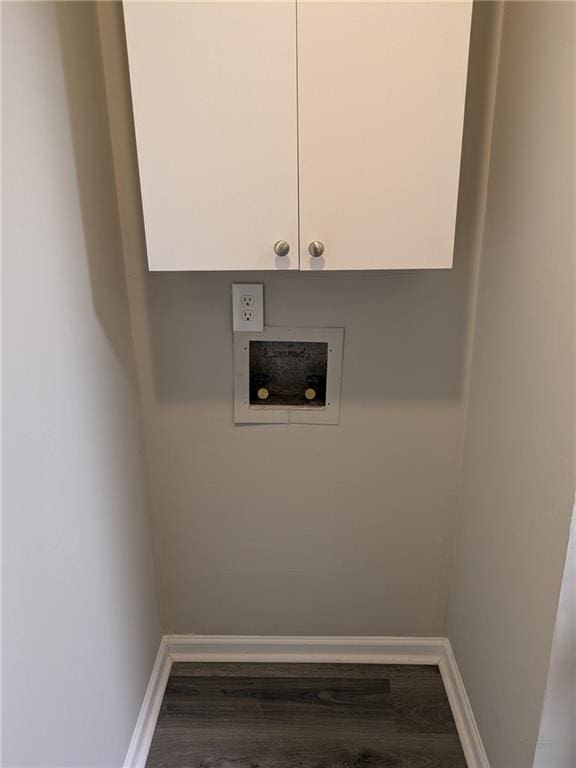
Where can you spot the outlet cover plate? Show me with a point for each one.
(247, 307)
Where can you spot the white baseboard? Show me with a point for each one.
(462, 711)
(150, 709)
(357, 650)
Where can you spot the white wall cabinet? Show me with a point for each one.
(214, 100)
(330, 123)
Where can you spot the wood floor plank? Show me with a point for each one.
(305, 751)
(272, 698)
(417, 672)
(305, 716)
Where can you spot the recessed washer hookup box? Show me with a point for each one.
(288, 375)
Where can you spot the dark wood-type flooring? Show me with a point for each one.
(305, 716)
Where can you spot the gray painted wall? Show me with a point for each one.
(518, 483)
(305, 529)
(80, 620)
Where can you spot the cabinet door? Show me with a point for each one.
(381, 105)
(214, 100)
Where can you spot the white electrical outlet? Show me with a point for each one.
(248, 307)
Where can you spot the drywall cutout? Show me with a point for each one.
(288, 375)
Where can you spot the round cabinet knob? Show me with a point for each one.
(281, 248)
(316, 248)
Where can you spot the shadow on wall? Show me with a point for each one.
(405, 334)
(87, 112)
